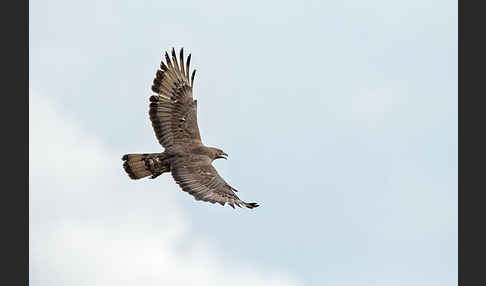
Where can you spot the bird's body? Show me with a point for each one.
(173, 113)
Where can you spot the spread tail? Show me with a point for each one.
(140, 166)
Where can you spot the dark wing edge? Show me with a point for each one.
(173, 111)
(205, 184)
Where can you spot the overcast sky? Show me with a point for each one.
(339, 117)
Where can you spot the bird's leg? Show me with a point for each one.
(155, 175)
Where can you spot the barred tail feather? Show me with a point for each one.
(139, 166)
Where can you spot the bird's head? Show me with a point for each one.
(218, 154)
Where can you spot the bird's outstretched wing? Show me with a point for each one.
(196, 175)
(173, 110)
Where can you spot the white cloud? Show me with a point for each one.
(90, 225)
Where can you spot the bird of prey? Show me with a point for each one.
(174, 120)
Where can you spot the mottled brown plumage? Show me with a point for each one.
(174, 118)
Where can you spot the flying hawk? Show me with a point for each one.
(174, 119)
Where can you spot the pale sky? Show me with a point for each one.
(339, 117)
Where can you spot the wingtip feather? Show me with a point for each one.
(188, 63)
(251, 205)
(167, 59)
(181, 57)
(173, 52)
(192, 77)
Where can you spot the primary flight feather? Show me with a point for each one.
(173, 113)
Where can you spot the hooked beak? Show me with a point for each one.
(224, 156)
